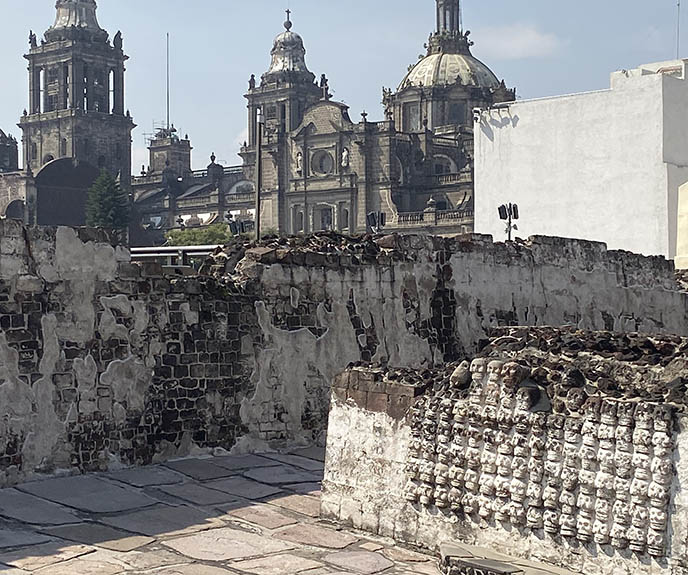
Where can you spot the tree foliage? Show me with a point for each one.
(216, 234)
(107, 205)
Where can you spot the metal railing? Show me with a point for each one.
(172, 255)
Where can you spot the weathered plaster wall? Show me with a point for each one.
(104, 362)
(561, 161)
(546, 459)
(107, 362)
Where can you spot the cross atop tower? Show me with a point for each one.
(288, 24)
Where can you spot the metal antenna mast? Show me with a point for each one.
(168, 81)
(678, 29)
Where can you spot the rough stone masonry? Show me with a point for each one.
(552, 445)
(103, 362)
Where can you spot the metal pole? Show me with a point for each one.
(259, 167)
(678, 30)
(168, 81)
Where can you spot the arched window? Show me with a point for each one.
(41, 108)
(34, 151)
(111, 91)
(63, 147)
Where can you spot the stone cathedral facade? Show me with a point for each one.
(76, 123)
(321, 168)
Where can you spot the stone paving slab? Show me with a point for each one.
(313, 489)
(226, 544)
(29, 509)
(194, 570)
(313, 452)
(147, 476)
(88, 493)
(240, 462)
(7, 570)
(284, 564)
(141, 561)
(243, 487)
(100, 536)
(164, 521)
(262, 515)
(42, 556)
(198, 494)
(199, 469)
(303, 504)
(281, 475)
(316, 536)
(360, 561)
(12, 537)
(88, 565)
(297, 461)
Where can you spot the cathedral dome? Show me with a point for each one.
(288, 53)
(443, 69)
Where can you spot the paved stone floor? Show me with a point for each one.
(240, 514)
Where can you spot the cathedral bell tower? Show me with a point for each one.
(76, 94)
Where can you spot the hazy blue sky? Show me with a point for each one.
(542, 47)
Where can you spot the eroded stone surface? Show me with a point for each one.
(360, 561)
(198, 494)
(163, 521)
(30, 509)
(300, 503)
(43, 556)
(296, 461)
(147, 476)
(240, 462)
(262, 515)
(199, 469)
(100, 536)
(281, 475)
(225, 544)
(12, 537)
(88, 493)
(317, 536)
(284, 564)
(244, 488)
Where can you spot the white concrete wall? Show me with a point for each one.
(603, 166)
(682, 248)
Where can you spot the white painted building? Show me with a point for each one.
(602, 166)
(682, 244)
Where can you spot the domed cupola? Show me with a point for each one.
(442, 88)
(449, 61)
(75, 18)
(288, 56)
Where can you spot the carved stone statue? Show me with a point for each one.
(345, 158)
(32, 39)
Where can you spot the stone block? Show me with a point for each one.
(378, 402)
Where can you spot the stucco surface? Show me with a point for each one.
(562, 161)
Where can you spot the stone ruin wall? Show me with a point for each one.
(104, 362)
(567, 448)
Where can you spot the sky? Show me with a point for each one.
(541, 47)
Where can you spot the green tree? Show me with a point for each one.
(107, 205)
(216, 234)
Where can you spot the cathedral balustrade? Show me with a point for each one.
(434, 217)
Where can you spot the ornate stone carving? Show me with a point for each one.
(595, 469)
